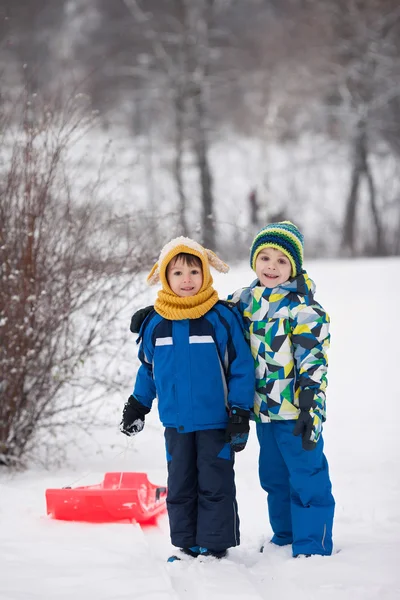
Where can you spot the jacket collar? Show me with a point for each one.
(302, 284)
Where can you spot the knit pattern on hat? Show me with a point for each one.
(283, 236)
(168, 304)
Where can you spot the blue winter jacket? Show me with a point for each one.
(197, 368)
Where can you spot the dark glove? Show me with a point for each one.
(133, 417)
(237, 431)
(309, 426)
(138, 318)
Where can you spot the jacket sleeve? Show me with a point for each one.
(310, 338)
(145, 388)
(240, 366)
(139, 317)
(235, 300)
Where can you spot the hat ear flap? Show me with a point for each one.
(154, 276)
(216, 262)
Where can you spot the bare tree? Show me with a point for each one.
(364, 71)
(347, 55)
(180, 49)
(361, 169)
(199, 22)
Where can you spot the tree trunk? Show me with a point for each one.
(207, 198)
(348, 241)
(201, 147)
(396, 245)
(180, 107)
(178, 162)
(380, 248)
(361, 169)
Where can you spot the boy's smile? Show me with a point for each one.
(272, 267)
(184, 280)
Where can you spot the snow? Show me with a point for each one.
(44, 559)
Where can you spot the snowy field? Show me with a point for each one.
(44, 559)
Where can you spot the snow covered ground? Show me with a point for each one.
(44, 559)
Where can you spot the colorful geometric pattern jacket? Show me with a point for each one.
(288, 332)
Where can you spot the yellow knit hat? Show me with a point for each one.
(184, 244)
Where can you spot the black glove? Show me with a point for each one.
(309, 426)
(138, 318)
(133, 417)
(304, 427)
(309, 422)
(237, 431)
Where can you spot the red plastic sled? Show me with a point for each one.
(120, 497)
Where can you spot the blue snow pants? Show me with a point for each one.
(300, 501)
(201, 500)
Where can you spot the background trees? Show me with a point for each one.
(365, 67)
(182, 74)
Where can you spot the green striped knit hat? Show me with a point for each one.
(283, 236)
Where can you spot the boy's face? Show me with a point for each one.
(272, 267)
(184, 280)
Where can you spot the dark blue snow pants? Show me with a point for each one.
(300, 501)
(201, 499)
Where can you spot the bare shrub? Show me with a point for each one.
(66, 274)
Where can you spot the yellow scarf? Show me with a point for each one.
(173, 307)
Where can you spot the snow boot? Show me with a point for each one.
(193, 552)
(214, 553)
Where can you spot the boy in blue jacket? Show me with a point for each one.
(288, 332)
(196, 361)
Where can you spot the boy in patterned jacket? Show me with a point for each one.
(288, 332)
(196, 361)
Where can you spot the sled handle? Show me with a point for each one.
(159, 491)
